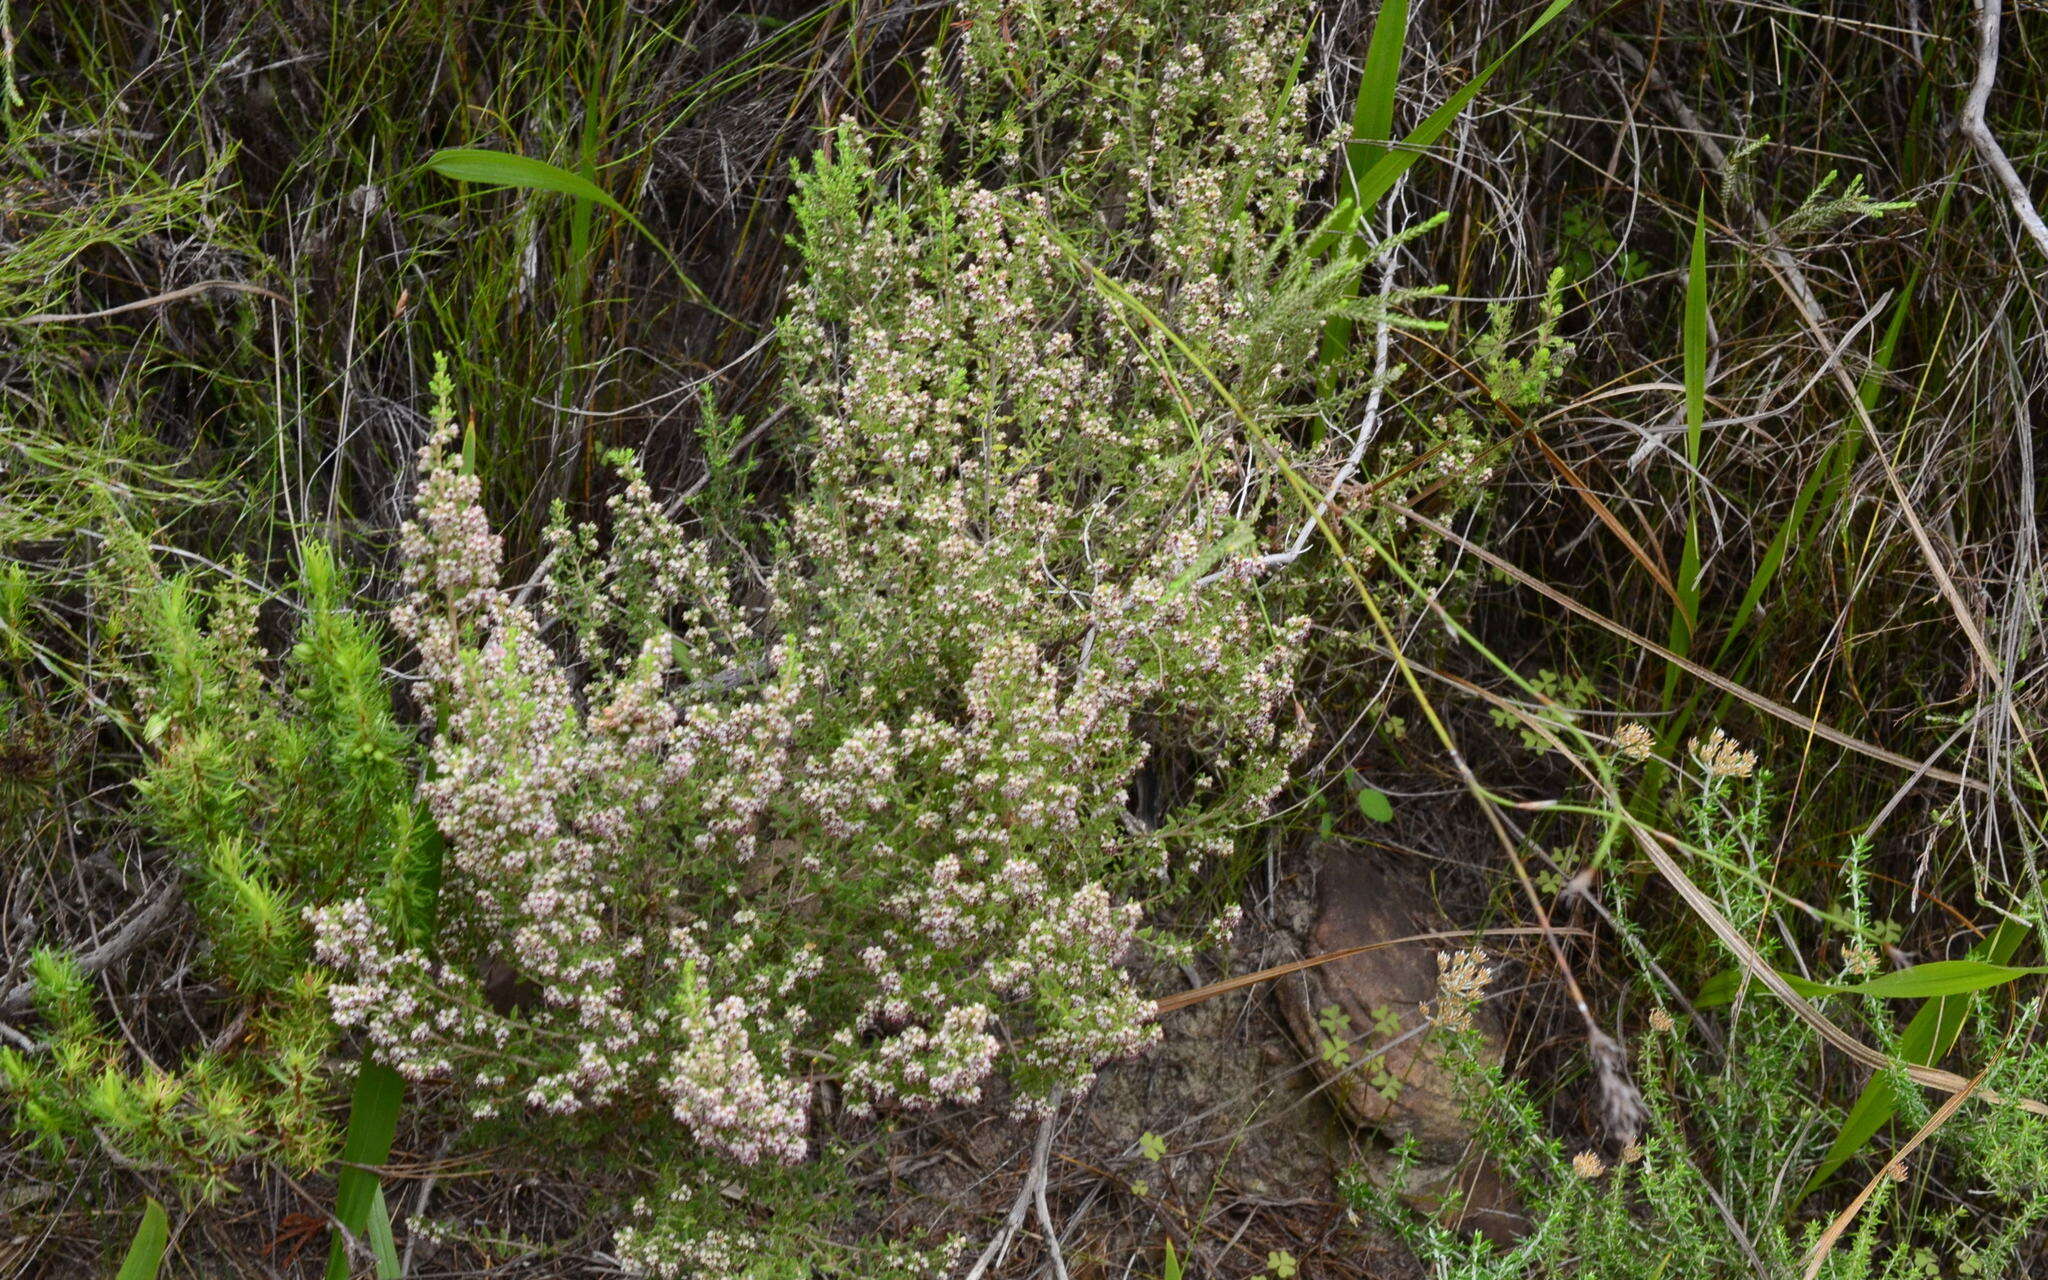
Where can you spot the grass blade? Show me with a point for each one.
(1930, 1035)
(146, 1251)
(382, 1246)
(1372, 130)
(380, 1091)
(1922, 981)
(1823, 475)
(1685, 618)
(1374, 183)
(503, 169)
(372, 1122)
(1372, 116)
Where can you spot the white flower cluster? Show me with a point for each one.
(896, 823)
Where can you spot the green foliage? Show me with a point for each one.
(358, 1195)
(1927, 1037)
(1825, 207)
(195, 1124)
(1700, 1191)
(1565, 699)
(1171, 1268)
(1373, 803)
(1588, 243)
(871, 819)
(274, 785)
(145, 1254)
(1053, 376)
(1525, 381)
(1919, 982)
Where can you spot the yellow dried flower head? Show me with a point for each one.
(1588, 1165)
(1632, 1153)
(1460, 985)
(1896, 1171)
(1722, 756)
(1662, 1022)
(1632, 742)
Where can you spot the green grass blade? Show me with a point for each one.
(146, 1251)
(1685, 615)
(382, 1246)
(372, 1122)
(503, 169)
(1922, 981)
(1372, 116)
(1696, 337)
(1781, 542)
(1372, 130)
(1366, 184)
(1940, 978)
(1931, 1034)
(1374, 183)
(380, 1091)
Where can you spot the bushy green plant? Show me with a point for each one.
(1708, 1189)
(273, 787)
(871, 819)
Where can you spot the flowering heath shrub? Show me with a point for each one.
(883, 821)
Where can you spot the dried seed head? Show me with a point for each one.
(1722, 756)
(1587, 1165)
(1632, 742)
(1461, 981)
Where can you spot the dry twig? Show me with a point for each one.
(1031, 1194)
(1977, 129)
(154, 300)
(137, 929)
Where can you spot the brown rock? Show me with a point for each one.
(1395, 1081)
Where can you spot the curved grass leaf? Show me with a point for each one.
(503, 169)
(524, 173)
(1372, 130)
(1929, 1036)
(146, 1251)
(1922, 981)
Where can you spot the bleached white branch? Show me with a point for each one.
(1978, 130)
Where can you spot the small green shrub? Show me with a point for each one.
(1708, 1189)
(869, 817)
(274, 787)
